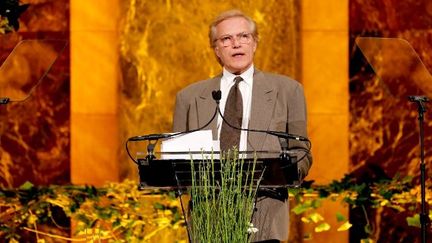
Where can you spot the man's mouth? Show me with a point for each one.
(237, 54)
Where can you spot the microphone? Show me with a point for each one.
(282, 136)
(216, 94)
(151, 137)
(287, 135)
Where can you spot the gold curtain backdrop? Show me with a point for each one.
(164, 47)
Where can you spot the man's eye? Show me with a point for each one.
(226, 38)
(245, 36)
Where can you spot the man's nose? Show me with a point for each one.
(236, 42)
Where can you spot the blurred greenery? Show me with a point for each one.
(119, 212)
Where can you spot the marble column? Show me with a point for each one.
(324, 32)
(94, 91)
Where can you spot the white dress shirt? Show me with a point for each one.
(245, 86)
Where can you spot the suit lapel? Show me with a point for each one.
(263, 101)
(206, 106)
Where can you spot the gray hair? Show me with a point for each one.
(227, 15)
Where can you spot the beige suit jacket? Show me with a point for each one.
(278, 104)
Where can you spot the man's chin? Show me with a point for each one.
(238, 69)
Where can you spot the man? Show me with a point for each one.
(264, 101)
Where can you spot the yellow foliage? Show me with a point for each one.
(316, 217)
(32, 219)
(345, 226)
(322, 227)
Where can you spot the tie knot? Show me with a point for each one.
(237, 80)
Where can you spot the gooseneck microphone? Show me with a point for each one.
(155, 136)
(287, 135)
(216, 94)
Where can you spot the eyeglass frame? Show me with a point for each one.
(227, 40)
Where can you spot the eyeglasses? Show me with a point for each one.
(242, 38)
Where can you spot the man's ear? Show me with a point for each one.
(217, 51)
(217, 55)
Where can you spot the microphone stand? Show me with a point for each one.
(424, 217)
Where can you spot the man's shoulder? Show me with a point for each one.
(279, 79)
(199, 86)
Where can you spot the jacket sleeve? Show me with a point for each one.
(180, 121)
(297, 125)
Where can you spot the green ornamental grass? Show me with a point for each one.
(223, 195)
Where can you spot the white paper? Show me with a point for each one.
(199, 143)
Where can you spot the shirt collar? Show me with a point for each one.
(246, 75)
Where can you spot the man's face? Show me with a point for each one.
(236, 55)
